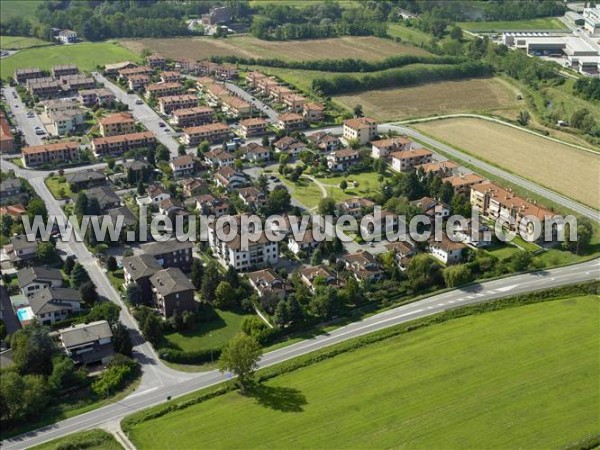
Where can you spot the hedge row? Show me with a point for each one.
(342, 65)
(194, 357)
(592, 287)
(341, 84)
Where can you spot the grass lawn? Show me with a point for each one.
(368, 184)
(408, 34)
(19, 8)
(94, 439)
(55, 185)
(445, 386)
(502, 251)
(117, 278)
(544, 23)
(86, 55)
(304, 191)
(207, 335)
(21, 42)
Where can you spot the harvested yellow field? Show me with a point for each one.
(572, 172)
(368, 48)
(446, 97)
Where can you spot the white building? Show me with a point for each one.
(591, 16)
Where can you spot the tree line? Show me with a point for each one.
(399, 77)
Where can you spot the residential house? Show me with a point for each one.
(253, 127)
(383, 148)
(28, 73)
(170, 77)
(256, 153)
(88, 343)
(156, 61)
(67, 36)
(342, 160)
(170, 103)
(59, 152)
(403, 252)
(318, 276)
(8, 316)
(225, 72)
(303, 243)
(432, 208)
(360, 130)
(228, 178)
(117, 145)
(34, 279)
(43, 88)
(170, 206)
(182, 165)
(462, 183)
(64, 69)
(138, 82)
(278, 93)
(356, 207)
(192, 117)
(252, 197)
(407, 160)
(216, 92)
(131, 71)
(21, 248)
(193, 187)
(472, 233)
(11, 190)
(163, 89)
(171, 253)
(363, 266)
(236, 107)
(85, 179)
(113, 69)
(67, 121)
(266, 85)
(107, 198)
(295, 103)
(209, 205)
(290, 121)
(212, 132)
(138, 269)
(53, 304)
(324, 142)
(79, 81)
(217, 15)
(290, 146)
(7, 140)
(173, 291)
(253, 77)
(219, 158)
(139, 170)
(438, 168)
(91, 97)
(446, 251)
(259, 252)
(313, 112)
(14, 211)
(155, 195)
(268, 282)
(129, 220)
(388, 223)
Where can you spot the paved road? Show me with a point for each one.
(27, 125)
(477, 293)
(144, 114)
(255, 102)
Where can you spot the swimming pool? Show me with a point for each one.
(24, 314)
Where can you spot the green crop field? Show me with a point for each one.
(449, 385)
(91, 440)
(86, 55)
(19, 8)
(544, 23)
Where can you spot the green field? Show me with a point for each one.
(86, 55)
(55, 184)
(445, 386)
(19, 8)
(21, 42)
(545, 23)
(214, 334)
(92, 440)
(408, 34)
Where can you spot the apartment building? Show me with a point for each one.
(261, 253)
(265, 85)
(29, 73)
(172, 102)
(163, 89)
(439, 168)
(313, 112)
(138, 82)
(355, 207)
(462, 183)
(278, 93)
(383, 148)
(59, 152)
(342, 160)
(156, 61)
(76, 82)
(63, 122)
(138, 269)
(212, 132)
(117, 123)
(171, 253)
(254, 77)
(360, 129)
(290, 121)
(170, 76)
(295, 103)
(173, 291)
(253, 127)
(44, 87)
(91, 97)
(117, 145)
(114, 69)
(407, 160)
(64, 69)
(182, 165)
(192, 117)
(127, 72)
(236, 107)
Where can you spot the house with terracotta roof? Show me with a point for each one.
(279, 92)
(7, 140)
(168, 104)
(253, 77)
(268, 282)
(446, 250)
(219, 158)
(407, 160)
(295, 103)
(170, 76)
(59, 152)
(290, 121)
(163, 89)
(318, 276)
(289, 145)
(182, 165)
(192, 117)
(253, 127)
(324, 142)
(252, 197)
(228, 178)
(212, 132)
(255, 152)
(313, 112)
(303, 244)
(363, 266)
(208, 205)
(342, 160)
(216, 92)
(235, 106)
(192, 187)
(438, 168)
(355, 207)
(156, 61)
(127, 72)
(403, 253)
(383, 148)
(388, 223)
(27, 73)
(117, 123)
(359, 129)
(138, 82)
(91, 97)
(117, 145)
(432, 208)
(462, 183)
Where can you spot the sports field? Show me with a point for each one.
(446, 97)
(543, 23)
(367, 47)
(86, 55)
(445, 386)
(565, 169)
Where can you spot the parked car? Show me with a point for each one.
(139, 101)
(161, 124)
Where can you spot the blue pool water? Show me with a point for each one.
(23, 314)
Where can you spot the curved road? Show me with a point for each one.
(477, 293)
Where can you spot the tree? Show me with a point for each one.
(210, 281)
(197, 272)
(140, 188)
(162, 153)
(105, 311)
(78, 276)
(326, 206)
(317, 258)
(88, 293)
(64, 374)
(81, 205)
(358, 110)
(240, 356)
(262, 183)
(203, 148)
(523, 118)
(225, 297)
(122, 340)
(232, 277)
(111, 264)
(152, 329)
(265, 141)
(133, 294)
(343, 185)
(37, 207)
(521, 261)
(457, 275)
(281, 315)
(46, 253)
(585, 231)
(295, 311)
(456, 33)
(69, 264)
(278, 201)
(33, 350)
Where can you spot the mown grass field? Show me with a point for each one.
(21, 42)
(447, 386)
(360, 47)
(92, 440)
(565, 169)
(86, 55)
(543, 23)
(19, 8)
(446, 97)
